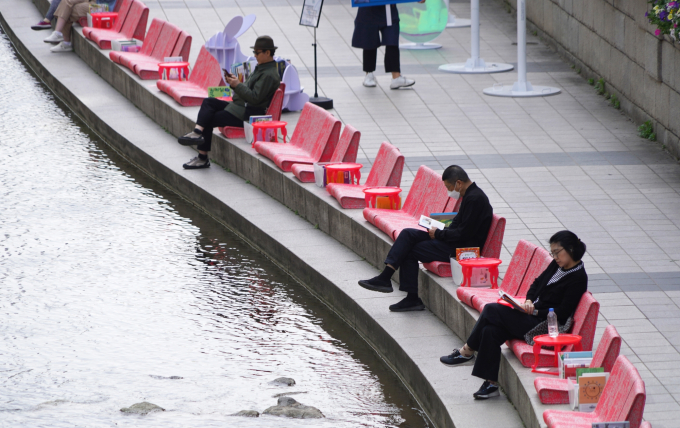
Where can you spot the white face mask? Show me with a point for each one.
(453, 193)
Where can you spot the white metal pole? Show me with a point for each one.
(474, 17)
(475, 64)
(522, 84)
(522, 87)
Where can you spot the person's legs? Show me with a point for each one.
(423, 251)
(392, 61)
(46, 23)
(370, 60)
(65, 13)
(219, 118)
(53, 7)
(495, 326)
(211, 115)
(400, 249)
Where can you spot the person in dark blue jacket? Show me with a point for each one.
(377, 26)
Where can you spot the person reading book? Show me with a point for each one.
(250, 98)
(468, 229)
(560, 287)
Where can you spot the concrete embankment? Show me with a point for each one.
(297, 225)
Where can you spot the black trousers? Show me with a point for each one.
(392, 62)
(212, 115)
(412, 246)
(495, 326)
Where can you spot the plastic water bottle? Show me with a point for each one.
(552, 324)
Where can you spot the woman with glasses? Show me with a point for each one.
(560, 287)
(251, 98)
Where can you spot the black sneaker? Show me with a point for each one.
(377, 284)
(191, 139)
(487, 390)
(407, 305)
(197, 163)
(455, 358)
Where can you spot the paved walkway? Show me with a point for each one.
(568, 161)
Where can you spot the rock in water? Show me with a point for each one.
(142, 408)
(288, 407)
(285, 381)
(248, 413)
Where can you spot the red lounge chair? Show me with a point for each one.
(206, 73)
(585, 321)
(492, 247)
(519, 264)
(162, 40)
(427, 195)
(345, 151)
(274, 109)
(386, 171)
(623, 399)
(313, 140)
(539, 263)
(131, 24)
(556, 391)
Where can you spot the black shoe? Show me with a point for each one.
(377, 284)
(487, 390)
(455, 359)
(407, 305)
(197, 163)
(191, 139)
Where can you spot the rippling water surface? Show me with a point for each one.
(109, 285)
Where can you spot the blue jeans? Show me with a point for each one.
(53, 7)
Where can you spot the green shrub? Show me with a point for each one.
(646, 130)
(599, 86)
(614, 101)
(591, 81)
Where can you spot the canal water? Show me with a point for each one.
(110, 286)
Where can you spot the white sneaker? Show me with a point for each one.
(55, 37)
(402, 82)
(62, 47)
(369, 80)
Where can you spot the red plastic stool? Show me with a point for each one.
(263, 126)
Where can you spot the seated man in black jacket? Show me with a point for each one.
(559, 287)
(468, 229)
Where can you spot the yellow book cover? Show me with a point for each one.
(467, 253)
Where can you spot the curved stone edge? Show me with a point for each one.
(308, 201)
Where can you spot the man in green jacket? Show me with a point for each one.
(250, 98)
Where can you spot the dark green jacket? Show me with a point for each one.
(257, 92)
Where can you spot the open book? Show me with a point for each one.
(429, 223)
(514, 302)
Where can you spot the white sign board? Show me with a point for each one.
(311, 12)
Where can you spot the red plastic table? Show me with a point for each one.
(104, 19)
(182, 69)
(481, 262)
(333, 170)
(263, 126)
(558, 342)
(372, 193)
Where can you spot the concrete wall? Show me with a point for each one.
(612, 39)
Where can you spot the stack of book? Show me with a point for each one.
(133, 45)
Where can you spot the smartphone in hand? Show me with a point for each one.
(227, 74)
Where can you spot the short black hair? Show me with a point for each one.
(454, 173)
(571, 244)
(272, 52)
